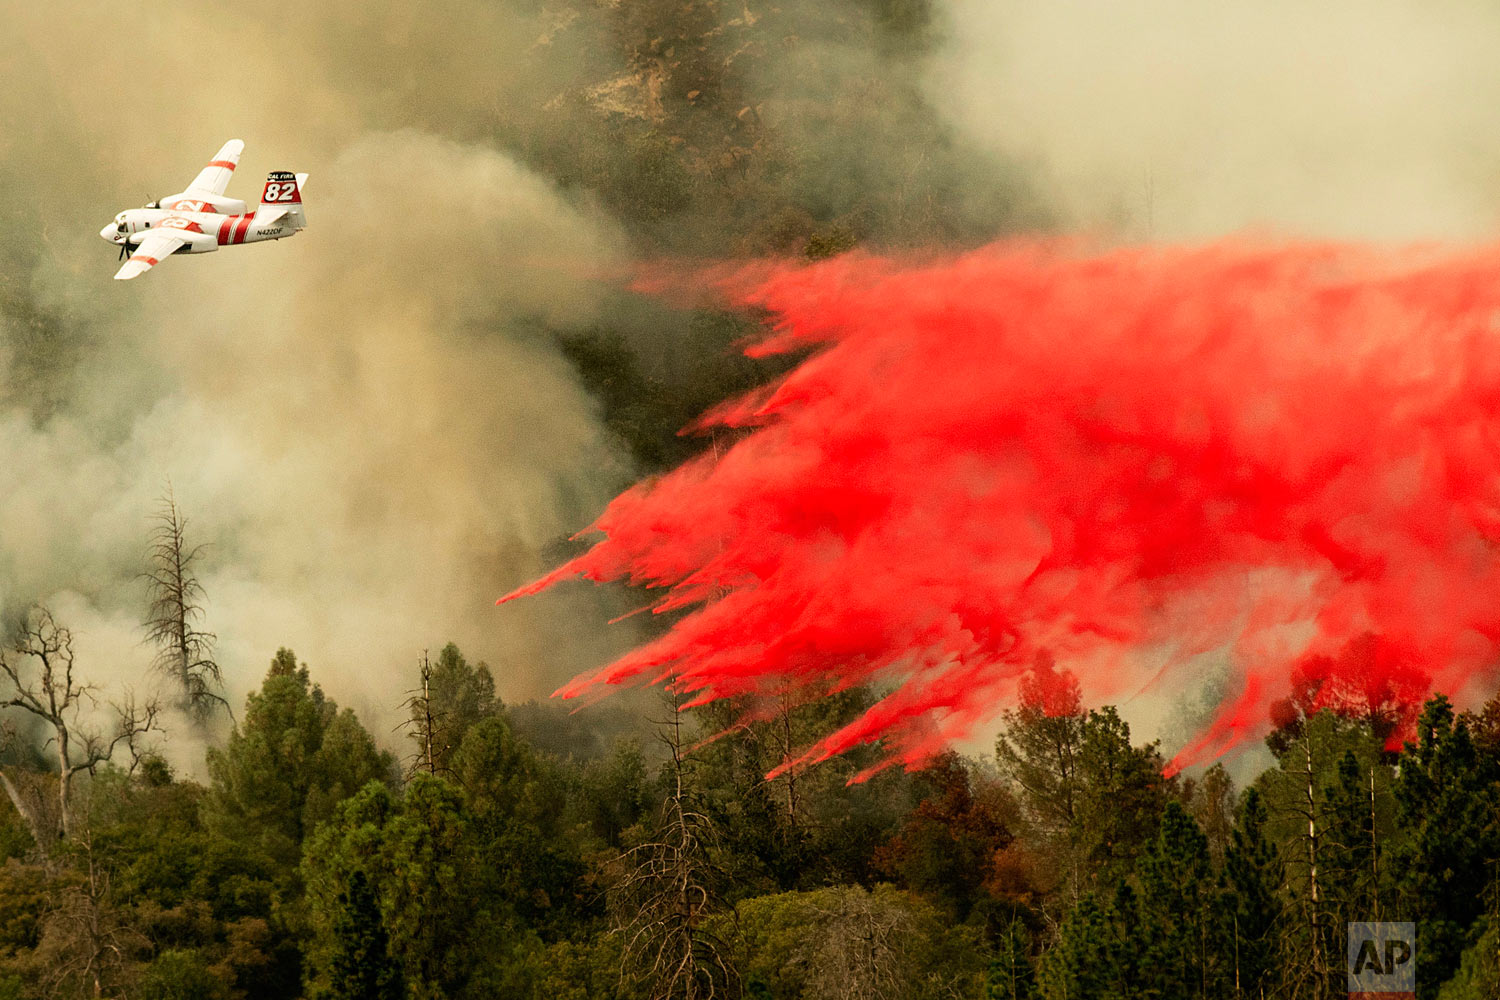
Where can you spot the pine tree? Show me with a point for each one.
(1119, 799)
(1098, 953)
(1253, 876)
(1092, 798)
(1011, 976)
(457, 695)
(1352, 868)
(1080, 963)
(290, 762)
(1038, 755)
(1446, 794)
(1132, 935)
(1181, 922)
(360, 965)
(1211, 801)
(1296, 797)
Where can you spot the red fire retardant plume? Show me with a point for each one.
(1280, 464)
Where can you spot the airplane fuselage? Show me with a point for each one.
(204, 231)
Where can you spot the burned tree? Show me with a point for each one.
(454, 696)
(184, 651)
(86, 941)
(668, 888)
(37, 677)
(426, 727)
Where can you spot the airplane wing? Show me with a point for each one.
(214, 178)
(154, 249)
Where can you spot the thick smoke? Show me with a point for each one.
(1123, 463)
(1172, 119)
(371, 423)
(368, 423)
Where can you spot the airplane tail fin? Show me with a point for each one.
(283, 192)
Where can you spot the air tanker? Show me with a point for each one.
(200, 219)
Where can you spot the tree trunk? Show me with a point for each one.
(64, 779)
(33, 820)
(1374, 852)
(1319, 977)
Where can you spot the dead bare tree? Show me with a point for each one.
(667, 886)
(184, 651)
(426, 727)
(85, 942)
(787, 747)
(37, 677)
(861, 949)
(132, 722)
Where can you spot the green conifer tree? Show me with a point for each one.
(291, 761)
(1011, 976)
(1446, 794)
(1119, 799)
(1083, 961)
(360, 966)
(1181, 924)
(1253, 876)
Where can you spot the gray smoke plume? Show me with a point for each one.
(369, 423)
(1169, 119)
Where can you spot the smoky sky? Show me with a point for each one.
(1167, 119)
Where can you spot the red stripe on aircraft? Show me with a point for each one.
(224, 228)
(239, 230)
(226, 164)
(151, 261)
